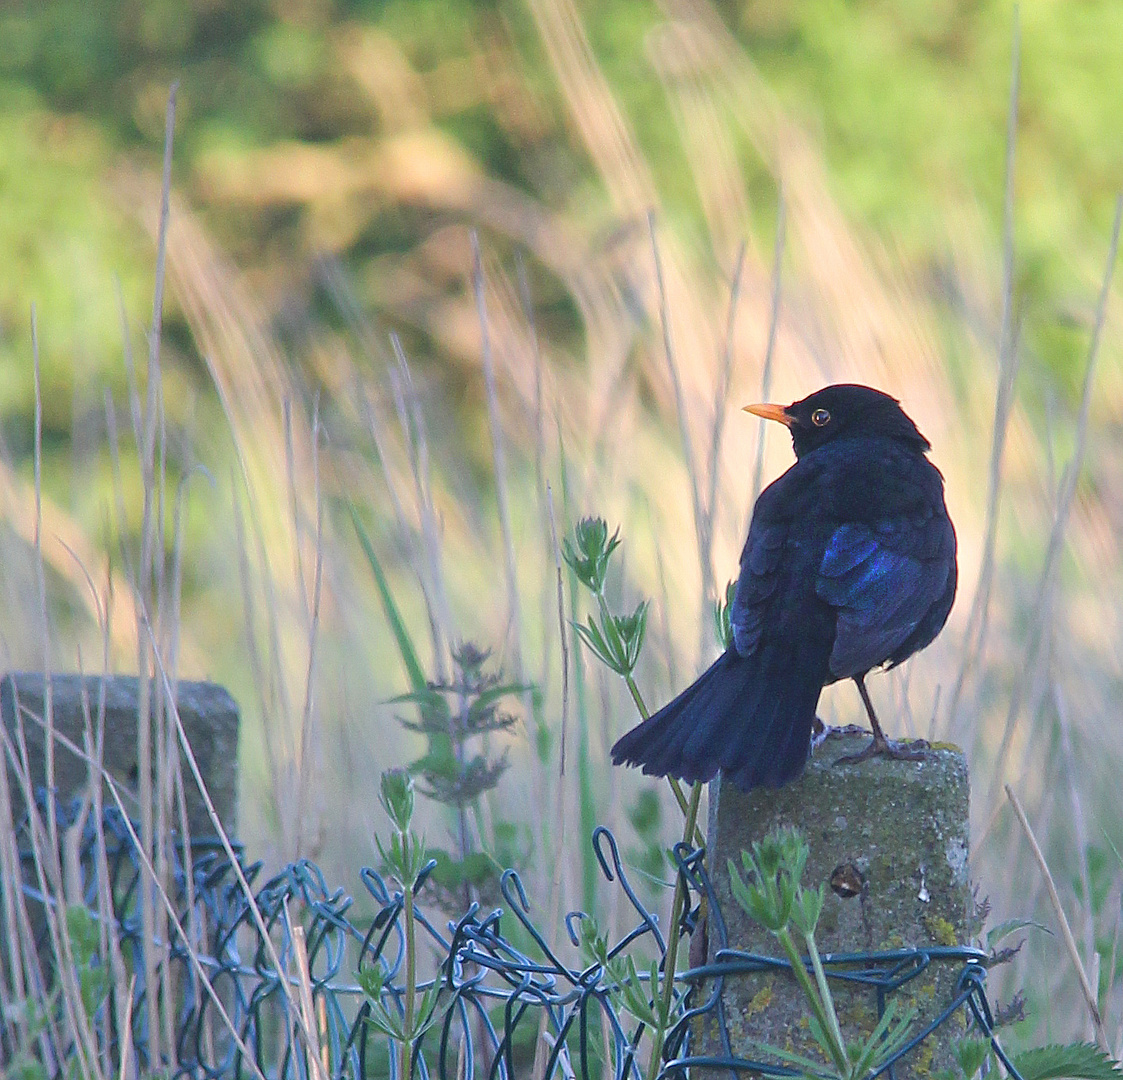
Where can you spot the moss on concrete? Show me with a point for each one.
(940, 930)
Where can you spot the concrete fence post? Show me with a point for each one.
(890, 841)
(209, 715)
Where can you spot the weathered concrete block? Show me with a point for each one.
(890, 841)
(208, 712)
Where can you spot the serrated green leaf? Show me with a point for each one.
(1080, 1061)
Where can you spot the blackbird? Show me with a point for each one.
(849, 565)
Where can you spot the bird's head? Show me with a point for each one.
(845, 410)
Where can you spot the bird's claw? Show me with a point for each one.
(917, 750)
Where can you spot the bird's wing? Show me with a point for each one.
(760, 577)
(882, 580)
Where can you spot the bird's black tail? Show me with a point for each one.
(750, 718)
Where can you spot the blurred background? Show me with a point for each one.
(658, 189)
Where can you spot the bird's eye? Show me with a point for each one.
(820, 417)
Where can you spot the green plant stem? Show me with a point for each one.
(799, 970)
(824, 991)
(411, 972)
(676, 787)
(671, 959)
(645, 713)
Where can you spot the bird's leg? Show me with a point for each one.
(881, 746)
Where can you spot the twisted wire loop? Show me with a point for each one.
(507, 1004)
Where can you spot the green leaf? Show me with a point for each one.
(429, 1010)
(393, 616)
(723, 627)
(431, 703)
(882, 1043)
(825, 1042)
(389, 1025)
(806, 909)
(630, 630)
(488, 698)
(804, 1064)
(590, 551)
(93, 976)
(396, 795)
(630, 992)
(594, 945)
(610, 627)
(594, 640)
(1011, 926)
(439, 761)
(371, 980)
(1081, 1061)
(758, 897)
(452, 873)
(972, 1055)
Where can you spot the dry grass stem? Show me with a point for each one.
(721, 399)
(1066, 930)
(308, 741)
(561, 813)
(702, 530)
(563, 631)
(313, 1058)
(1040, 622)
(773, 329)
(499, 463)
(220, 832)
(127, 1030)
(974, 636)
(159, 892)
(410, 417)
(1079, 824)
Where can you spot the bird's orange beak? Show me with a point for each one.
(771, 412)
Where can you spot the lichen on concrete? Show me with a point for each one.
(892, 838)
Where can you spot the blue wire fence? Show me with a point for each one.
(509, 1005)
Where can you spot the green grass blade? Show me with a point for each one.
(408, 654)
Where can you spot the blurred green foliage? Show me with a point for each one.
(908, 103)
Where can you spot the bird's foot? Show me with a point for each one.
(821, 732)
(918, 750)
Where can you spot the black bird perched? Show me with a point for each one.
(849, 564)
